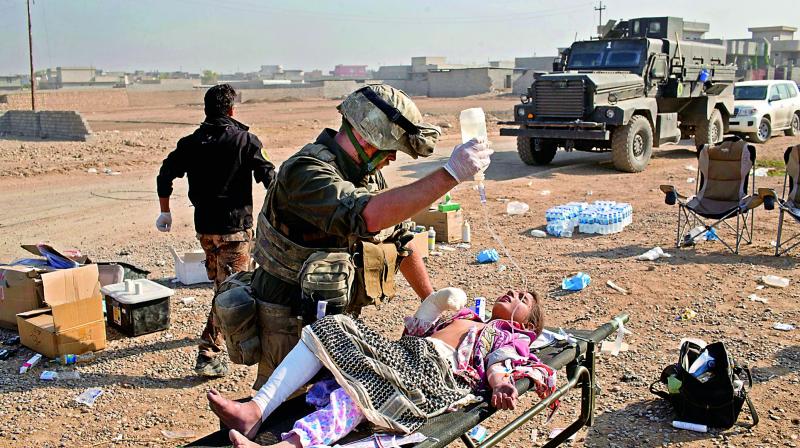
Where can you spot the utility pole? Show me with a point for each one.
(30, 52)
(600, 10)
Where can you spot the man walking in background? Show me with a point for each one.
(219, 159)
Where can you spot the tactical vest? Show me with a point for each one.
(274, 251)
(376, 263)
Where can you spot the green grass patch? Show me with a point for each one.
(778, 167)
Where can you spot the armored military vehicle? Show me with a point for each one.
(639, 86)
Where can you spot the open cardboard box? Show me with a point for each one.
(73, 323)
(20, 291)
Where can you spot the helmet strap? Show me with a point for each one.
(368, 165)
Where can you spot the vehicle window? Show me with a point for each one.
(607, 54)
(635, 27)
(750, 92)
(655, 28)
(773, 92)
(623, 58)
(783, 91)
(791, 89)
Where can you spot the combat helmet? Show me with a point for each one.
(388, 119)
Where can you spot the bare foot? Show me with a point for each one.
(243, 417)
(240, 441)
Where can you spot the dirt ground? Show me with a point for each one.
(48, 194)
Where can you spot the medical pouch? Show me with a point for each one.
(326, 277)
(714, 397)
(235, 312)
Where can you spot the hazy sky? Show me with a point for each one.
(231, 35)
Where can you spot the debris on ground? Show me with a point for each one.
(783, 327)
(89, 396)
(775, 281)
(536, 233)
(653, 254)
(487, 256)
(756, 298)
(686, 314)
(517, 208)
(577, 282)
(616, 287)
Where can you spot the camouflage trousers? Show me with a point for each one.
(225, 255)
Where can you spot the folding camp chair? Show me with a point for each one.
(789, 202)
(576, 355)
(724, 173)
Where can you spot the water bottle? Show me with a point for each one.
(466, 232)
(76, 359)
(431, 238)
(704, 363)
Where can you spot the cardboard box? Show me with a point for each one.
(446, 224)
(420, 244)
(20, 291)
(73, 323)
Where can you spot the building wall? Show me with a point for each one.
(470, 81)
(81, 100)
(524, 80)
(544, 63)
(56, 125)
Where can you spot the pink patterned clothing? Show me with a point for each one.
(501, 345)
(328, 424)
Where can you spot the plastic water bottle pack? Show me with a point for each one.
(601, 217)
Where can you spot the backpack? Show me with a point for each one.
(714, 398)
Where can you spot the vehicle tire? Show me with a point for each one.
(709, 132)
(794, 126)
(632, 145)
(526, 147)
(764, 131)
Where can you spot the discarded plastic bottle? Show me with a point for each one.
(76, 359)
(466, 232)
(431, 238)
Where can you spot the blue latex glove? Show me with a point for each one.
(576, 283)
(487, 256)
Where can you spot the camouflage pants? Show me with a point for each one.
(225, 255)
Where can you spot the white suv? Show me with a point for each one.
(764, 107)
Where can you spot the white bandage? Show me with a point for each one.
(445, 299)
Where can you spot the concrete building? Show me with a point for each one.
(539, 63)
(502, 64)
(461, 82)
(10, 83)
(350, 71)
(770, 51)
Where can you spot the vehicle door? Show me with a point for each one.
(793, 103)
(779, 96)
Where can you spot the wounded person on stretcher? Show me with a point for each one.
(398, 385)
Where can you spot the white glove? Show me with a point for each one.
(468, 159)
(164, 222)
(440, 301)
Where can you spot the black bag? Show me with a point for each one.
(713, 400)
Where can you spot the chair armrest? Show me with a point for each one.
(671, 194)
(768, 197)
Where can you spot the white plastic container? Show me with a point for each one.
(466, 233)
(190, 268)
(137, 307)
(431, 238)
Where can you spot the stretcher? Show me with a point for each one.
(575, 354)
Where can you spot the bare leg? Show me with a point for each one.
(240, 441)
(242, 417)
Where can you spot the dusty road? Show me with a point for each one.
(48, 195)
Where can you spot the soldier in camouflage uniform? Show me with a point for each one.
(332, 196)
(220, 158)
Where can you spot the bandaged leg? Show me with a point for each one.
(296, 369)
(328, 424)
